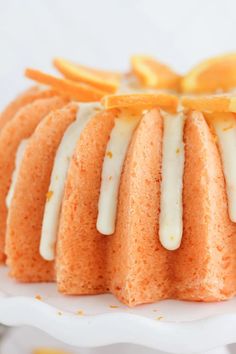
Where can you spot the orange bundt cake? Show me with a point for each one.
(139, 267)
(12, 134)
(25, 218)
(123, 183)
(30, 95)
(82, 270)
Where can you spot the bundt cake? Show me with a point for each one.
(123, 183)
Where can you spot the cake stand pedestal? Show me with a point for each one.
(91, 322)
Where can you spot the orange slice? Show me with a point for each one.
(221, 116)
(142, 101)
(48, 351)
(212, 75)
(73, 90)
(154, 74)
(103, 80)
(217, 103)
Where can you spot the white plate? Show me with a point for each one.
(171, 326)
(14, 342)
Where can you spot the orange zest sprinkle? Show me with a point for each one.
(49, 195)
(80, 313)
(114, 307)
(231, 126)
(154, 74)
(159, 318)
(74, 90)
(109, 154)
(212, 75)
(214, 103)
(142, 101)
(38, 297)
(103, 80)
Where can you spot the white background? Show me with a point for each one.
(104, 33)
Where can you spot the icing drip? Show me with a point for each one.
(171, 209)
(115, 155)
(58, 178)
(19, 156)
(225, 128)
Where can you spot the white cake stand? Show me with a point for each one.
(95, 321)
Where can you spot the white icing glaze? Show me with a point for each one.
(226, 133)
(19, 156)
(171, 209)
(58, 178)
(111, 172)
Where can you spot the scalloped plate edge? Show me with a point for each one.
(114, 328)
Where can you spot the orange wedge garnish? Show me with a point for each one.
(142, 101)
(154, 74)
(212, 75)
(48, 351)
(217, 103)
(227, 117)
(103, 80)
(73, 90)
